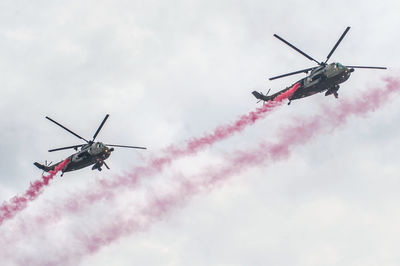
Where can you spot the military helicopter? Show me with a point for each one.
(324, 77)
(90, 153)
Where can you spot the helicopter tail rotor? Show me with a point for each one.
(46, 167)
(262, 97)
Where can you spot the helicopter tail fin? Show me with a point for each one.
(43, 167)
(261, 96)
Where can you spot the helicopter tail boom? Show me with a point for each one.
(44, 167)
(262, 97)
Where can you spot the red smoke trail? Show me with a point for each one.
(9, 209)
(105, 189)
(156, 165)
(194, 145)
(299, 132)
(225, 131)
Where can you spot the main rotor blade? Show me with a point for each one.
(65, 148)
(101, 125)
(366, 67)
(125, 146)
(298, 50)
(73, 133)
(337, 44)
(292, 73)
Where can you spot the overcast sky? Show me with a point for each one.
(167, 71)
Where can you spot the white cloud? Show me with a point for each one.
(170, 71)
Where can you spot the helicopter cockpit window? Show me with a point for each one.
(339, 65)
(316, 77)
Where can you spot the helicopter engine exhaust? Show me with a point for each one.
(16, 204)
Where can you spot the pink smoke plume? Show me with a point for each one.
(16, 204)
(299, 132)
(106, 189)
(224, 131)
(156, 165)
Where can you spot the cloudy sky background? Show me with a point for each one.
(169, 71)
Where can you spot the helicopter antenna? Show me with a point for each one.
(336, 45)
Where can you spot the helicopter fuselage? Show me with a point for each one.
(94, 154)
(90, 153)
(324, 78)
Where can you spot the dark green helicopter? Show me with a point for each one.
(324, 77)
(91, 153)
